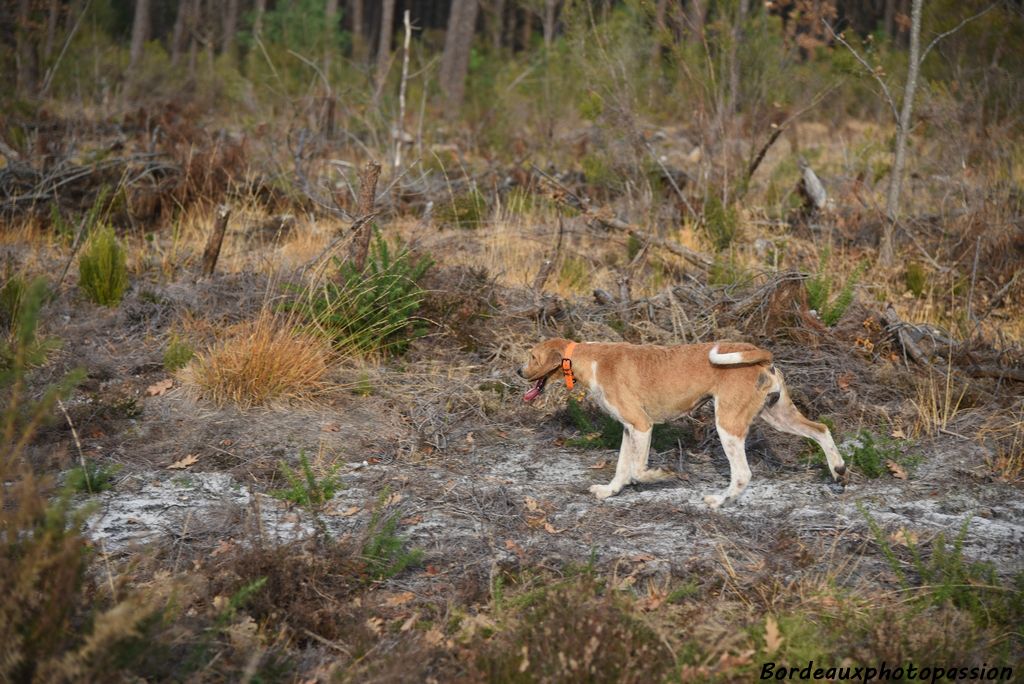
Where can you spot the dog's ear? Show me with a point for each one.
(555, 350)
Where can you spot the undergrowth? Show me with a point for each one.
(305, 488)
(385, 552)
(103, 275)
(820, 290)
(372, 311)
(600, 431)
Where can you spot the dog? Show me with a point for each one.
(641, 385)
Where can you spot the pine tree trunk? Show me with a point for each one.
(550, 12)
(25, 51)
(227, 45)
(358, 42)
(892, 208)
(140, 32)
(387, 25)
(455, 60)
(52, 18)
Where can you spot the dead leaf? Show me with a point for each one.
(904, 537)
(844, 380)
(642, 558)
(224, 546)
(515, 548)
(183, 463)
(393, 499)
(409, 623)
(898, 471)
(330, 427)
(226, 442)
(599, 465)
(772, 637)
(432, 570)
(469, 438)
(158, 388)
(411, 520)
(550, 529)
(350, 511)
(531, 504)
(897, 433)
(399, 599)
(376, 625)
(434, 637)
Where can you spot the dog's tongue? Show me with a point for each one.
(534, 391)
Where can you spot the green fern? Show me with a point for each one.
(819, 291)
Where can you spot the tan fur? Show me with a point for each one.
(644, 385)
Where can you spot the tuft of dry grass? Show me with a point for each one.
(263, 361)
(1005, 434)
(938, 402)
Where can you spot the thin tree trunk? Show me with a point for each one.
(358, 49)
(140, 32)
(331, 19)
(526, 29)
(659, 33)
(25, 50)
(455, 60)
(496, 25)
(892, 208)
(227, 45)
(550, 12)
(180, 32)
(52, 18)
(257, 20)
(387, 24)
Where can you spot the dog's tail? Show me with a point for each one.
(737, 354)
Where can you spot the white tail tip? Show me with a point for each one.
(724, 359)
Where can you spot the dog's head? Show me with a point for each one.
(545, 360)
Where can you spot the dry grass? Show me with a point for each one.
(1005, 434)
(938, 402)
(261, 362)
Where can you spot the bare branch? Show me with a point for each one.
(956, 28)
(871, 70)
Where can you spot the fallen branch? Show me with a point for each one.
(993, 371)
(899, 328)
(695, 258)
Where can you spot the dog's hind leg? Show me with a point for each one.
(785, 417)
(739, 470)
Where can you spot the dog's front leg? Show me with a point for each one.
(628, 453)
(641, 473)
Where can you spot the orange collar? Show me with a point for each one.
(567, 366)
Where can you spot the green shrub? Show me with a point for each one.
(725, 270)
(574, 273)
(103, 275)
(467, 210)
(177, 354)
(91, 478)
(305, 488)
(819, 291)
(869, 453)
(599, 431)
(385, 552)
(11, 295)
(916, 278)
(945, 577)
(721, 222)
(372, 311)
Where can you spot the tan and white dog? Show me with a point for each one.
(643, 385)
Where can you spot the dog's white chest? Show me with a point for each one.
(598, 395)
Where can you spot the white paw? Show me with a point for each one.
(601, 491)
(714, 500)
